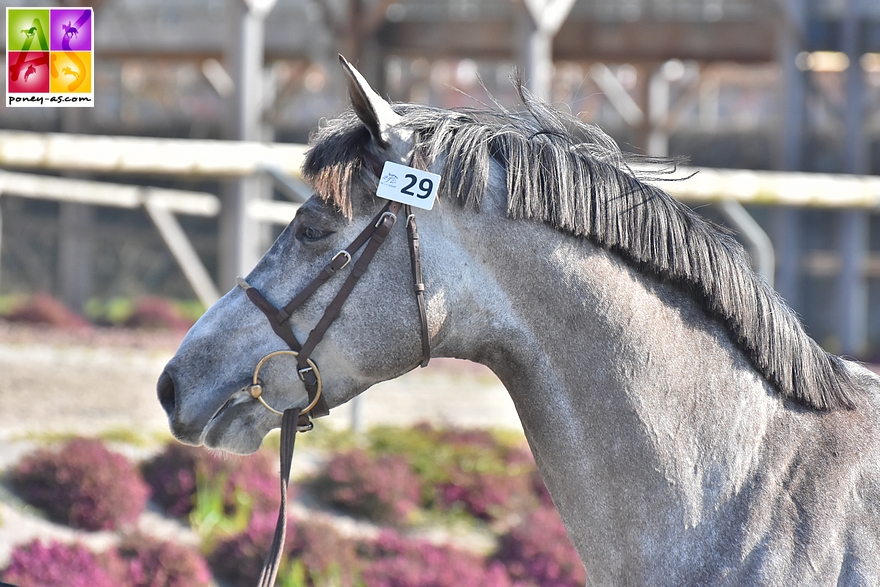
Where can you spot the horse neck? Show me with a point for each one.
(637, 406)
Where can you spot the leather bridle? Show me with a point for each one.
(298, 419)
(373, 235)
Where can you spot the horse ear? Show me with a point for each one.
(372, 109)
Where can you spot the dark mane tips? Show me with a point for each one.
(335, 163)
(572, 176)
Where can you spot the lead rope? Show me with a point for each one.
(289, 427)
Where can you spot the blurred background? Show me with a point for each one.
(767, 85)
(140, 212)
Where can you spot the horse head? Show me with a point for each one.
(206, 388)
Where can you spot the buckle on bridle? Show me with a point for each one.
(384, 215)
(302, 372)
(347, 258)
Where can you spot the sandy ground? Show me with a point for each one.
(57, 382)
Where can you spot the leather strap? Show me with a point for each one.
(381, 229)
(415, 258)
(292, 420)
(374, 235)
(339, 260)
(289, 423)
(309, 379)
(271, 312)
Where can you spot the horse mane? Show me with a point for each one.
(572, 176)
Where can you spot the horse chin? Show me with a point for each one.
(237, 428)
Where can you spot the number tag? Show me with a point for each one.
(408, 185)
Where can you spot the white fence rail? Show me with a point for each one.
(776, 188)
(208, 158)
(141, 155)
(160, 204)
(218, 159)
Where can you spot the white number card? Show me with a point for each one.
(408, 185)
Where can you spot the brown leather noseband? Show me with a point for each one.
(372, 236)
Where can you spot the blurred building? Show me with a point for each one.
(757, 84)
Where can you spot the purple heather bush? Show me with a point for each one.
(489, 478)
(321, 548)
(157, 314)
(391, 560)
(538, 550)
(42, 308)
(172, 477)
(394, 560)
(470, 469)
(383, 488)
(486, 495)
(41, 565)
(238, 559)
(82, 484)
(142, 561)
(257, 475)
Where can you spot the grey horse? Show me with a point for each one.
(687, 428)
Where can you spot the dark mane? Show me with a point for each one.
(573, 177)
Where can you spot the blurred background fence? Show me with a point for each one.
(186, 167)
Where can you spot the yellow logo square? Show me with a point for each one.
(69, 72)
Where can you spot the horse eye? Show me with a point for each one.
(306, 233)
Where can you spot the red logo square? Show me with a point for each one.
(27, 73)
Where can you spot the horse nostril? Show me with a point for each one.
(165, 391)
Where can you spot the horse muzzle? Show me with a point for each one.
(198, 423)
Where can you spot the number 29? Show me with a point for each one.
(426, 186)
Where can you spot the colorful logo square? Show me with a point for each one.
(27, 29)
(70, 72)
(50, 57)
(28, 72)
(71, 30)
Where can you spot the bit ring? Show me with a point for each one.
(256, 387)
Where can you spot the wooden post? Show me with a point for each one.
(852, 294)
(240, 237)
(75, 270)
(75, 254)
(793, 98)
(540, 23)
(355, 33)
(658, 113)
